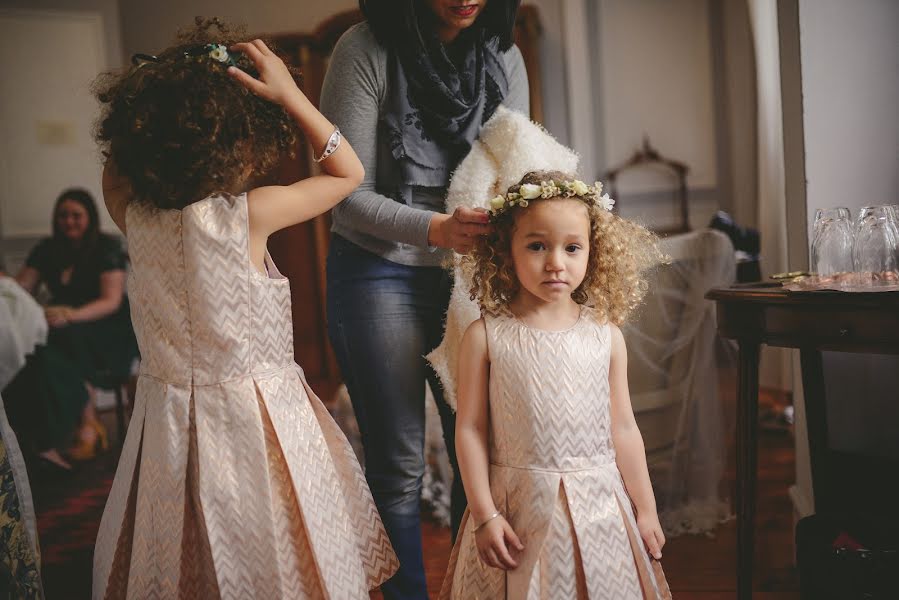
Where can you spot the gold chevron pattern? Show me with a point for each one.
(234, 481)
(553, 474)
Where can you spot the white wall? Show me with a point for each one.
(674, 71)
(47, 123)
(108, 9)
(656, 79)
(46, 119)
(850, 90)
(850, 84)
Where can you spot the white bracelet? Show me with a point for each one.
(485, 521)
(331, 146)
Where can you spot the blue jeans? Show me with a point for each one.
(383, 317)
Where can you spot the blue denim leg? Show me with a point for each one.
(383, 318)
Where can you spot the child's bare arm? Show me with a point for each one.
(494, 535)
(275, 207)
(116, 193)
(630, 451)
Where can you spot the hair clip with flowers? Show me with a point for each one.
(549, 189)
(217, 52)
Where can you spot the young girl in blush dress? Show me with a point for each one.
(560, 501)
(234, 481)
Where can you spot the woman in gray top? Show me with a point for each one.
(410, 87)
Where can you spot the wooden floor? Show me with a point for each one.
(704, 568)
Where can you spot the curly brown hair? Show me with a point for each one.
(179, 128)
(621, 252)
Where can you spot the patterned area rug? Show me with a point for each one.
(68, 508)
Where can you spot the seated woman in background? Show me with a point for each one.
(90, 326)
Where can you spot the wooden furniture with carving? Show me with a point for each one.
(647, 156)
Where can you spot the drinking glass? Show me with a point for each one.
(874, 253)
(831, 250)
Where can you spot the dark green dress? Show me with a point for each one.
(101, 349)
(45, 399)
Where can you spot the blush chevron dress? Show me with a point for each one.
(234, 481)
(553, 474)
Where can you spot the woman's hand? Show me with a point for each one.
(497, 542)
(459, 230)
(275, 82)
(59, 316)
(651, 532)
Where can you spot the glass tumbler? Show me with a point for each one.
(875, 252)
(831, 250)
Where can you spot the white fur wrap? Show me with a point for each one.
(509, 146)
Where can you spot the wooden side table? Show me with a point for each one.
(759, 314)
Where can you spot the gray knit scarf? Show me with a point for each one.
(438, 99)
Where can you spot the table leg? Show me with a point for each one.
(816, 427)
(747, 459)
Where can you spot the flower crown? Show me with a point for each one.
(549, 189)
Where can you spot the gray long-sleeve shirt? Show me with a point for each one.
(353, 97)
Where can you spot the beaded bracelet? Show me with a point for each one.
(331, 146)
(485, 521)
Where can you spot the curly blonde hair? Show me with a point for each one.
(179, 128)
(621, 252)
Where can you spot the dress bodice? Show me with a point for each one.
(549, 394)
(202, 313)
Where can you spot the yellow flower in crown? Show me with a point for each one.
(497, 203)
(579, 187)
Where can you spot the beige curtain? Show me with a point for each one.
(775, 370)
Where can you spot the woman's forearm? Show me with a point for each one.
(375, 215)
(92, 311)
(112, 291)
(631, 459)
(351, 98)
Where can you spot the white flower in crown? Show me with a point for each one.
(497, 203)
(605, 202)
(579, 187)
(530, 191)
(219, 53)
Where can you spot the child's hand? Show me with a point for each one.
(651, 532)
(495, 540)
(275, 82)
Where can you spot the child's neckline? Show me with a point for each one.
(580, 317)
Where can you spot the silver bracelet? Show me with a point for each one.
(485, 521)
(331, 146)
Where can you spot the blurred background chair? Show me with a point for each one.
(673, 374)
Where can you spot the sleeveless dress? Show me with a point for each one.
(553, 474)
(234, 481)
